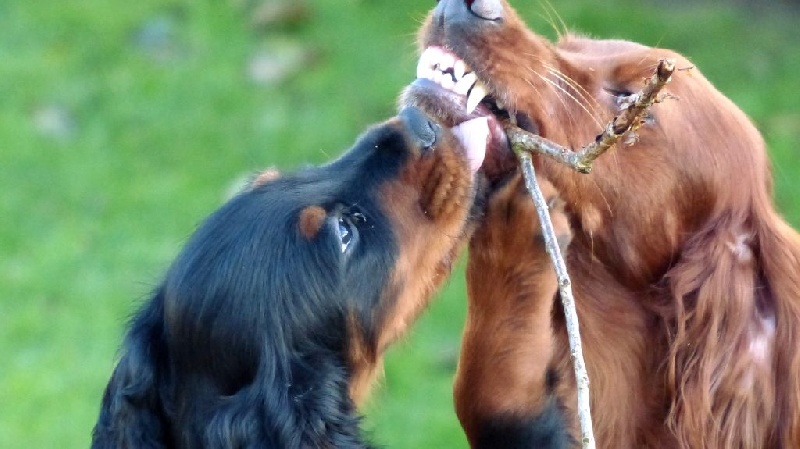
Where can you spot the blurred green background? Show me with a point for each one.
(122, 124)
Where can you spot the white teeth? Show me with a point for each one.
(447, 82)
(477, 94)
(438, 77)
(434, 62)
(427, 60)
(458, 69)
(423, 72)
(463, 84)
(500, 105)
(446, 61)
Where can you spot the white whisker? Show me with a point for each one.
(580, 90)
(571, 97)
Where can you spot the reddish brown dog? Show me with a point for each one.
(687, 280)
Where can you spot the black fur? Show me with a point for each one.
(547, 430)
(244, 344)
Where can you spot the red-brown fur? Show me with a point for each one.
(679, 261)
(429, 205)
(509, 302)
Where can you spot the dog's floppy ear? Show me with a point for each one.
(268, 175)
(735, 291)
(131, 415)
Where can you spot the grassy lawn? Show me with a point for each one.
(124, 123)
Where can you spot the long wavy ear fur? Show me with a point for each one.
(780, 262)
(131, 414)
(733, 327)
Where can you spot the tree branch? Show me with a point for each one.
(631, 118)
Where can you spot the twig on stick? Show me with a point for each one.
(631, 118)
(523, 143)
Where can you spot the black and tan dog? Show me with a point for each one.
(269, 327)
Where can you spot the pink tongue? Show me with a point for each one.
(474, 136)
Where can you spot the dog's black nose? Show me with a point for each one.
(420, 126)
(455, 11)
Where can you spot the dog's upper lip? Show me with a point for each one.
(457, 103)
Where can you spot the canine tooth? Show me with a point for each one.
(500, 105)
(458, 69)
(477, 94)
(463, 84)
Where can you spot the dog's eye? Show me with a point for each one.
(345, 222)
(622, 98)
(346, 233)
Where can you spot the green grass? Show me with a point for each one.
(146, 141)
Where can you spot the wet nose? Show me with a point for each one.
(455, 11)
(420, 126)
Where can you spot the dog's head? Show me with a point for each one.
(655, 187)
(271, 322)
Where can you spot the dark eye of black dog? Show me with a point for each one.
(345, 231)
(346, 224)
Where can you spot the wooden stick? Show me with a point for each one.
(565, 289)
(523, 143)
(631, 118)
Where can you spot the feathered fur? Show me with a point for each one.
(687, 280)
(271, 323)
